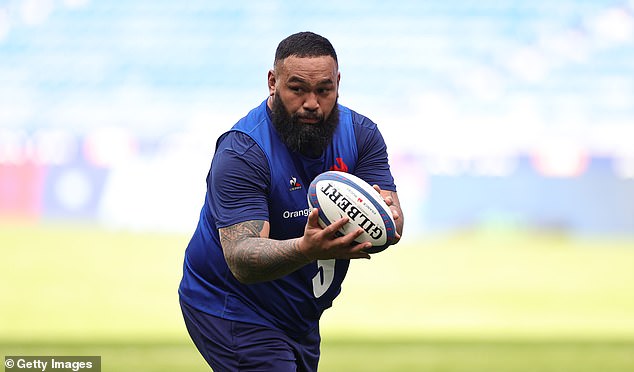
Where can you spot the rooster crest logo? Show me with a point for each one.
(294, 184)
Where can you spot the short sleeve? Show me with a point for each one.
(372, 164)
(238, 181)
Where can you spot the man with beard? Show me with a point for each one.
(259, 270)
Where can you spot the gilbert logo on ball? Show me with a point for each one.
(338, 194)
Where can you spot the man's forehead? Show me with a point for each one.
(295, 64)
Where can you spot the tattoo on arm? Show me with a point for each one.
(253, 258)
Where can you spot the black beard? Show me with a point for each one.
(308, 139)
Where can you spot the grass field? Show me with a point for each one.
(486, 301)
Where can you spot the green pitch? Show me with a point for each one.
(469, 302)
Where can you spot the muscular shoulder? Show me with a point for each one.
(239, 143)
(237, 151)
(362, 122)
(367, 133)
(239, 179)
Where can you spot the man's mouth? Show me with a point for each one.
(310, 119)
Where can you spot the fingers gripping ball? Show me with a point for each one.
(339, 194)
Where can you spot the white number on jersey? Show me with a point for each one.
(323, 279)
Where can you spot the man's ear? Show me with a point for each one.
(271, 82)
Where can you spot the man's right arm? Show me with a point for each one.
(252, 257)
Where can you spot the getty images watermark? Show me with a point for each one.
(53, 363)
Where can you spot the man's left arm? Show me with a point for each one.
(391, 199)
(373, 166)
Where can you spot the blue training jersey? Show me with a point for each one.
(255, 177)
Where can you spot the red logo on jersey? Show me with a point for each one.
(339, 166)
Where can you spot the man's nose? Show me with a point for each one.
(311, 103)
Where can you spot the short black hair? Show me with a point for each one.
(304, 44)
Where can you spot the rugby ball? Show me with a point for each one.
(338, 194)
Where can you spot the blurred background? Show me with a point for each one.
(493, 111)
(508, 123)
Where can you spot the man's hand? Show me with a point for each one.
(325, 243)
(391, 199)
